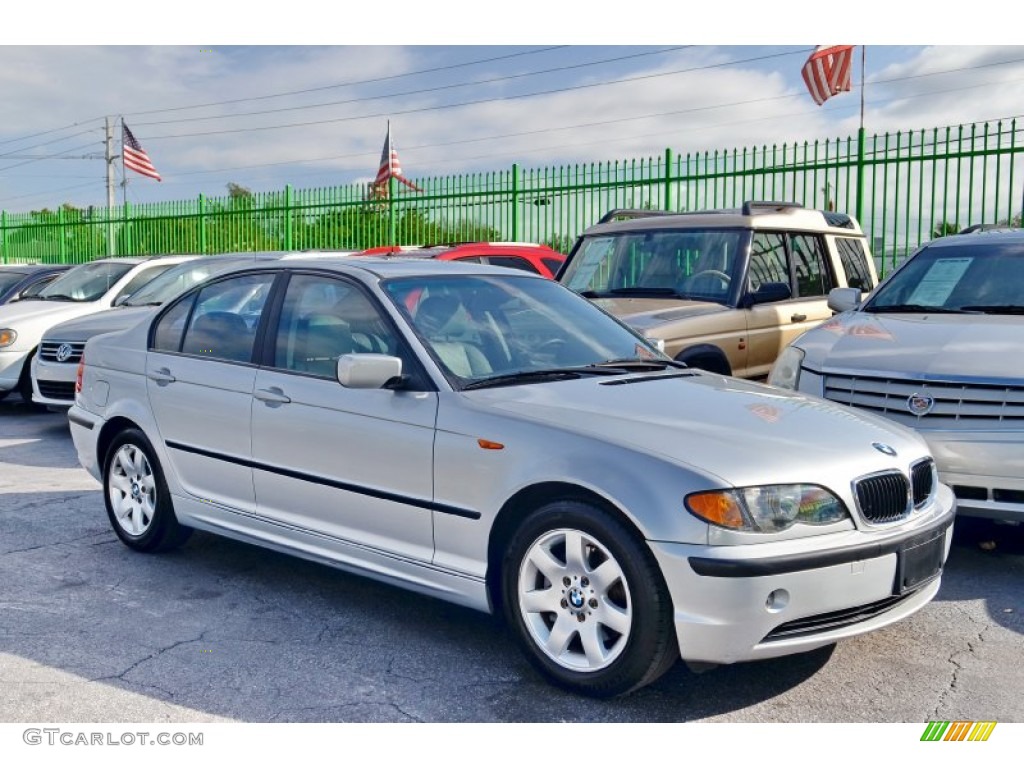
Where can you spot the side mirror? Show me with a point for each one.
(768, 293)
(119, 300)
(368, 371)
(843, 299)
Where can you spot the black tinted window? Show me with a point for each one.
(855, 263)
(223, 323)
(812, 273)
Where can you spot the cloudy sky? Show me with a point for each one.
(276, 105)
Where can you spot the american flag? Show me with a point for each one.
(827, 71)
(135, 156)
(390, 167)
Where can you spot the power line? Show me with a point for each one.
(419, 91)
(351, 83)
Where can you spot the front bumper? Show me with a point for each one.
(760, 601)
(12, 362)
(53, 384)
(985, 470)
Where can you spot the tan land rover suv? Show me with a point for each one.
(723, 290)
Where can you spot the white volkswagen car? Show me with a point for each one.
(939, 347)
(488, 437)
(87, 288)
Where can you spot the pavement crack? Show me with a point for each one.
(49, 544)
(958, 667)
(159, 652)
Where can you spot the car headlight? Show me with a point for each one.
(767, 508)
(7, 337)
(786, 371)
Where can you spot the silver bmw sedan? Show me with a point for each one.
(488, 437)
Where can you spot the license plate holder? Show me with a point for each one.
(918, 564)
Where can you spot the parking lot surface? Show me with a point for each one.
(221, 631)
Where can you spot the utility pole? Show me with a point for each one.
(110, 157)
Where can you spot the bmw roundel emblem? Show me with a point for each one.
(63, 352)
(888, 450)
(920, 405)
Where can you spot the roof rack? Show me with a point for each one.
(750, 205)
(633, 213)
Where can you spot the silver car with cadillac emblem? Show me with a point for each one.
(939, 348)
(488, 437)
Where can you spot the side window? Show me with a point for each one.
(470, 259)
(168, 331)
(140, 279)
(223, 324)
(324, 318)
(813, 277)
(855, 263)
(515, 262)
(768, 260)
(37, 286)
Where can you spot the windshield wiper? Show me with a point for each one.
(57, 297)
(141, 304)
(996, 309)
(909, 308)
(640, 364)
(544, 374)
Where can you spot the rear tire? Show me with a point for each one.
(138, 502)
(586, 601)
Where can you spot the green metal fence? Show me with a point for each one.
(904, 187)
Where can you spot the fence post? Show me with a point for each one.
(287, 217)
(515, 202)
(202, 225)
(130, 251)
(392, 228)
(3, 236)
(62, 237)
(668, 179)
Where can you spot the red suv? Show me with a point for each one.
(527, 256)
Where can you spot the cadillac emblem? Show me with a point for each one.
(63, 352)
(920, 405)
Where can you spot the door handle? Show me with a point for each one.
(272, 396)
(798, 318)
(161, 376)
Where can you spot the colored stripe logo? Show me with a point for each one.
(958, 730)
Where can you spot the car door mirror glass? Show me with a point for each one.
(368, 371)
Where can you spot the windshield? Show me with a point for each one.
(698, 264)
(179, 279)
(86, 282)
(9, 278)
(985, 277)
(486, 327)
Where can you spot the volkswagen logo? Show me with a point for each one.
(888, 450)
(920, 405)
(63, 352)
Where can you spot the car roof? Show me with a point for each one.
(398, 266)
(981, 237)
(758, 215)
(31, 269)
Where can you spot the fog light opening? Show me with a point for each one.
(777, 601)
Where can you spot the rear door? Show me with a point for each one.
(200, 378)
(799, 261)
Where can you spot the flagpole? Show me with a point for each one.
(391, 190)
(860, 141)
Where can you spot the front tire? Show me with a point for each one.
(586, 601)
(138, 502)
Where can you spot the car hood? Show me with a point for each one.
(739, 431)
(33, 309)
(940, 346)
(646, 313)
(84, 328)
